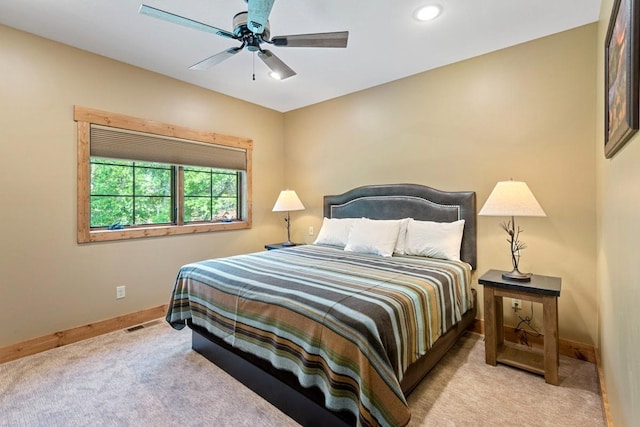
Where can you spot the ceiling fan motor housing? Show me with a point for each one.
(241, 30)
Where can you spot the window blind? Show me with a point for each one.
(130, 145)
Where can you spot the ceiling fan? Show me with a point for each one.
(251, 28)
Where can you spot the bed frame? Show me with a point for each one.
(396, 201)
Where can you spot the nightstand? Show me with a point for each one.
(542, 289)
(273, 246)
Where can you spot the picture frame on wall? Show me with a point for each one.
(621, 76)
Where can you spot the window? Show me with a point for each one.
(210, 194)
(139, 179)
(125, 193)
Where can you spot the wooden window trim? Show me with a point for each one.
(85, 117)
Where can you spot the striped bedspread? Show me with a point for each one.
(347, 323)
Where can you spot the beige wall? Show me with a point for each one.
(525, 113)
(48, 282)
(618, 234)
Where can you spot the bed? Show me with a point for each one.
(328, 332)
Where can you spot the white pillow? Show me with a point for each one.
(373, 237)
(434, 239)
(335, 231)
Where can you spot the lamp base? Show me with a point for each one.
(515, 274)
(288, 243)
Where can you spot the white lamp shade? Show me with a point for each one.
(511, 198)
(288, 201)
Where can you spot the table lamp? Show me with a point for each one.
(512, 198)
(288, 201)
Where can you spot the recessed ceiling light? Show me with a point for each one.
(275, 75)
(427, 13)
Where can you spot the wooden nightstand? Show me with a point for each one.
(273, 246)
(542, 289)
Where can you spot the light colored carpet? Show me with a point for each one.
(151, 377)
(463, 390)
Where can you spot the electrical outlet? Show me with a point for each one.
(120, 292)
(311, 230)
(516, 304)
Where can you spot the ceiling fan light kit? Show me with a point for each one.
(252, 29)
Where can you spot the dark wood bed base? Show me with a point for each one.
(281, 388)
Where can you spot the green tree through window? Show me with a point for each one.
(210, 194)
(130, 193)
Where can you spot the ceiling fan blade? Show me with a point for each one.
(259, 11)
(337, 39)
(185, 22)
(276, 65)
(215, 59)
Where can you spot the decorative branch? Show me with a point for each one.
(514, 241)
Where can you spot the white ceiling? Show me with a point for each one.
(385, 42)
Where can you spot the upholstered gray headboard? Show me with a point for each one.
(397, 201)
